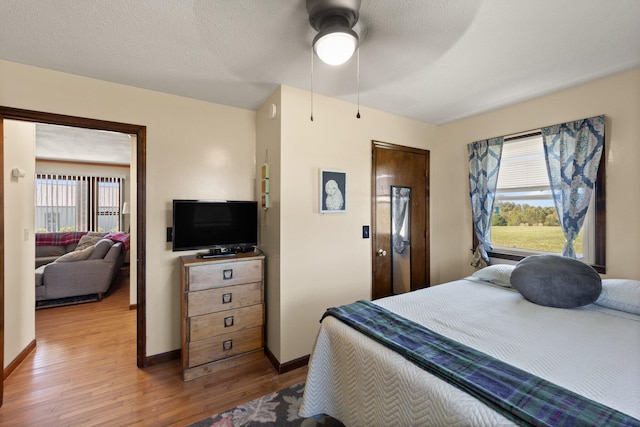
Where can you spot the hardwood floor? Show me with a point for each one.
(83, 373)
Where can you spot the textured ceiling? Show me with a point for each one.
(82, 145)
(431, 60)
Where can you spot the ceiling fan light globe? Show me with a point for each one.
(336, 47)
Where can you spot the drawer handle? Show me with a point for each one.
(227, 345)
(228, 321)
(227, 274)
(227, 298)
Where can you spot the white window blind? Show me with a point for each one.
(78, 202)
(109, 201)
(523, 167)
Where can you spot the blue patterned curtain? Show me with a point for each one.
(573, 152)
(484, 164)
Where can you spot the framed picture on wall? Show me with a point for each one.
(333, 191)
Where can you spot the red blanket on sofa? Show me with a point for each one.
(59, 239)
(120, 236)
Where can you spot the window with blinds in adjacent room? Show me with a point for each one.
(78, 202)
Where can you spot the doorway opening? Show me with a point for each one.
(83, 192)
(139, 132)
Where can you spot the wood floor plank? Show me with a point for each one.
(83, 373)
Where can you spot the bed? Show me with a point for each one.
(592, 351)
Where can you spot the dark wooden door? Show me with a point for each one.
(394, 166)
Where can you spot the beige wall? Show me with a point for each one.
(195, 149)
(268, 151)
(324, 261)
(19, 241)
(48, 166)
(618, 97)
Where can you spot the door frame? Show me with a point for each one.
(389, 146)
(8, 113)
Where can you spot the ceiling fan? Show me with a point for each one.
(336, 41)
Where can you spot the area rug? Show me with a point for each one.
(275, 409)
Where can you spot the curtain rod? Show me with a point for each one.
(534, 131)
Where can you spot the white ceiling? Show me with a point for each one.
(431, 60)
(73, 144)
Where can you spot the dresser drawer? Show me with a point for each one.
(221, 299)
(215, 275)
(223, 346)
(224, 322)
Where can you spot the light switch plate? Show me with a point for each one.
(365, 231)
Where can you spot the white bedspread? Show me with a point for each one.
(591, 350)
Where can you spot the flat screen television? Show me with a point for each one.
(222, 227)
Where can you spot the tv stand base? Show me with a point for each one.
(208, 255)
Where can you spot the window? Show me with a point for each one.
(78, 203)
(108, 204)
(525, 221)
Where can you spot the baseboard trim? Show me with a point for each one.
(161, 358)
(19, 359)
(287, 366)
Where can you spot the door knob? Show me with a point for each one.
(382, 252)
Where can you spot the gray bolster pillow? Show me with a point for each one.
(556, 281)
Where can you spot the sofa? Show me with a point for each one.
(51, 246)
(87, 270)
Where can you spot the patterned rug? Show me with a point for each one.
(275, 409)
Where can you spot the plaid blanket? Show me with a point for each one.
(518, 395)
(119, 236)
(59, 238)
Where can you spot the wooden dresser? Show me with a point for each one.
(222, 312)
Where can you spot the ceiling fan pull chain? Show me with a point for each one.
(358, 81)
(312, 83)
